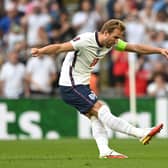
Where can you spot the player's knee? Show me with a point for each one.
(94, 110)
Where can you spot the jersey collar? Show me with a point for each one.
(97, 40)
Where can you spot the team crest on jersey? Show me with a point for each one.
(76, 39)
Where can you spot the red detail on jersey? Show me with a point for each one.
(94, 62)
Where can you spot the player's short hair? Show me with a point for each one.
(112, 24)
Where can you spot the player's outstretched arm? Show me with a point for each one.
(52, 49)
(146, 49)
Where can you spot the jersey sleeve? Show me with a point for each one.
(79, 42)
(121, 45)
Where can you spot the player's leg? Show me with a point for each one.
(100, 135)
(101, 138)
(104, 114)
(83, 99)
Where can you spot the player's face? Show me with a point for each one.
(112, 38)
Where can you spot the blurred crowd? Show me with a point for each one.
(36, 23)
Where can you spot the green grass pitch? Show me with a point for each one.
(75, 153)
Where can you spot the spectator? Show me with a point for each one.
(40, 75)
(24, 23)
(141, 79)
(22, 6)
(10, 18)
(2, 42)
(42, 37)
(55, 11)
(23, 52)
(14, 36)
(161, 21)
(147, 14)
(158, 5)
(159, 67)
(133, 23)
(12, 77)
(119, 10)
(155, 61)
(101, 8)
(159, 87)
(34, 22)
(67, 32)
(129, 6)
(86, 19)
(62, 30)
(120, 67)
(110, 9)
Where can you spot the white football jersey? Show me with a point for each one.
(78, 64)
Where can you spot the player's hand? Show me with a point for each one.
(164, 52)
(35, 52)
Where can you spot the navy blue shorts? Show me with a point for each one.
(79, 96)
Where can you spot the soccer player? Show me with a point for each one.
(84, 52)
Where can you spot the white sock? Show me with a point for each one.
(100, 135)
(118, 124)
